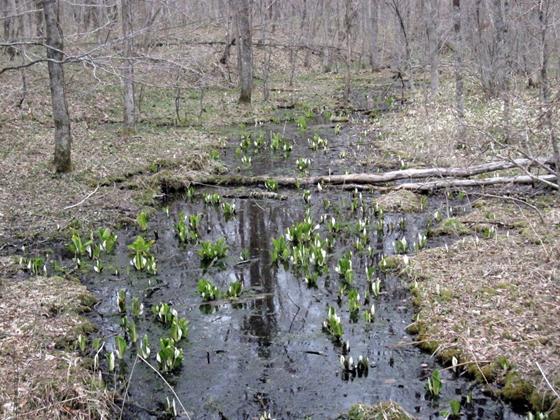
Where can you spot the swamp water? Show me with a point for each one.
(267, 351)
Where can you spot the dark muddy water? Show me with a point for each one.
(346, 152)
(266, 351)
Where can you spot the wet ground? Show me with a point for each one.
(267, 351)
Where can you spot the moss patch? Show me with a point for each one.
(450, 226)
(400, 201)
(387, 410)
(516, 390)
(392, 262)
(87, 301)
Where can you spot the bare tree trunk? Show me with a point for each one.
(23, 79)
(11, 26)
(245, 48)
(373, 17)
(38, 19)
(5, 19)
(545, 51)
(402, 26)
(55, 55)
(293, 51)
(459, 95)
(432, 33)
(508, 72)
(127, 71)
(305, 32)
(347, 180)
(544, 10)
(267, 58)
(481, 49)
(314, 25)
(501, 8)
(326, 60)
(326, 53)
(230, 41)
(91, 18)
(149, 16)
(348, 21)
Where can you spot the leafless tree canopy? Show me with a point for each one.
(201, 44)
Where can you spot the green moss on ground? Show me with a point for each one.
(516, 390)
(392, 263)
(450, 226)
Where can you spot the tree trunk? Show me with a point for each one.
(327, 38)
(432, 32)
(463, 183)
(373, 15)
(404, 33)
(458, 64)
(508, 72)
(38, 19)
(305, 32)
(545, 51)
(501, 14)
(544, 10)
(230, 41)
(348, 22)
(480, 48)
(127, 71)
(11, 26)
(294, 42)
(55, 55)
(245, 49)
(267, 58)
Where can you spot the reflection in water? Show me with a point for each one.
(261, 321)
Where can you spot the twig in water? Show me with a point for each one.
(127, 386)
(168, 385)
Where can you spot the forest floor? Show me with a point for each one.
(492, 298)
(486, 298)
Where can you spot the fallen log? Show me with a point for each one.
(255, 194)
(450, 183)
(457, 183)
(367, 178)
